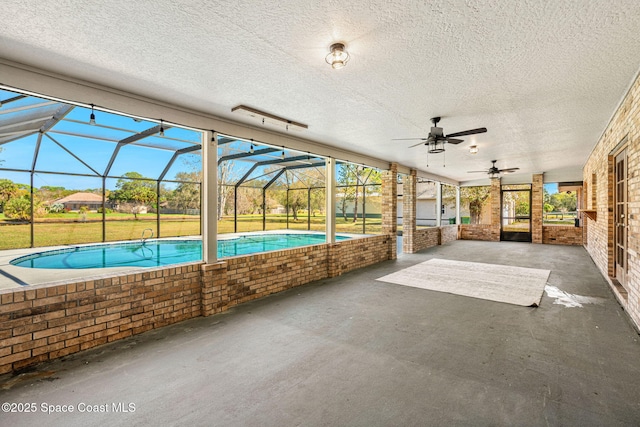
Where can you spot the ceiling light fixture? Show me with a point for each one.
(161, 128)
(92, 117)
(267, 118)
(338, 56)
(436, 147)
(473, 149)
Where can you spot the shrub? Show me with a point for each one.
(20, 208)
(56, 208)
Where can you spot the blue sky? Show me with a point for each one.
(95, 150)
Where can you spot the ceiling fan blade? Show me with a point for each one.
(454, 141)
(467, 132)
(409, 139)
(477, 171)
(508, 170)
(419, 143)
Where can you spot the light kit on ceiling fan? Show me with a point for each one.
(494, 172)
(436, 147)
(436, 139)
(473, 149)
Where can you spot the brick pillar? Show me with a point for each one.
(390, 207)
(214, 295)
(537, 208)
(409, 212)
(495, 209)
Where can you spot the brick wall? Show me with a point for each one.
(562, 235)
(623, 129)
(424, 238)
(448, 233)
(478, 232)
(45, 322)
(357, 253)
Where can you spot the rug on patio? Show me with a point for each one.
(502, 283)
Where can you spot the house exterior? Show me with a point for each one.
(75, 201)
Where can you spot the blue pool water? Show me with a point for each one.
(161, 252)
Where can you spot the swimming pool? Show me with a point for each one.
(155, 253)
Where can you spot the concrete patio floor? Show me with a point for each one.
(359, 352)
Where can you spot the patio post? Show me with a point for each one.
(209, 217)
(330, 199)
(458, 205)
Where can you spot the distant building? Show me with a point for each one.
(75, 201)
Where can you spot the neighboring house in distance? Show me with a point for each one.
(426, 205)
(74, 201)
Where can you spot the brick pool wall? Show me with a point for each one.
(44, 322)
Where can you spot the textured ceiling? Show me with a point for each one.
(543, 76)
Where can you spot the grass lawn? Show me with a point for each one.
(68, 229)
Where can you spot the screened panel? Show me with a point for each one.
(358, 193)
(475, 205)
(18, 154)
(180, 209)
(426, 203)
(69, 152)
(559, 207)
(148, 162)
(15, 212)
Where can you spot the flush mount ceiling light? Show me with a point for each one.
(338, 56)
(473, 149)
(269, 119)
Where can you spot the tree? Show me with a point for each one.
(8, 190)
(472, 198)
(51, 193)
(227, 177)
(134, 190)
(564, 202)
(352, 180)
(187, 193)
(20, 208)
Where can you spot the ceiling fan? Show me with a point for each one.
(494, 172)
(436, 138)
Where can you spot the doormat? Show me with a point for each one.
(502, 283)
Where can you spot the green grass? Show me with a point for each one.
(68, 229)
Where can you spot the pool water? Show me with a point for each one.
(161, 252)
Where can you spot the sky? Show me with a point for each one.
(92, 146)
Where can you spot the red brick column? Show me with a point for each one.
(409, 213)
(495, 209)
(390, 207)
(215, 293)
(537, 208)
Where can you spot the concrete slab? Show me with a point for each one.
(355, 351)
